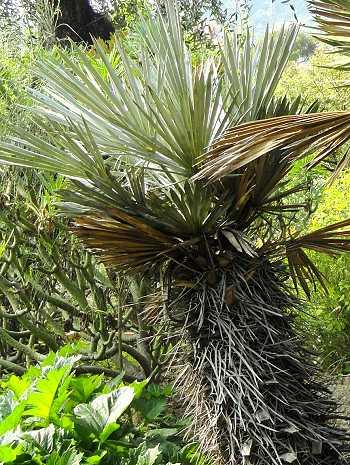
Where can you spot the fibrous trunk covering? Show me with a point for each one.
(253, 390)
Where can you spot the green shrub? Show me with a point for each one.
(51, 416)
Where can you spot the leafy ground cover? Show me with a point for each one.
(52, 416)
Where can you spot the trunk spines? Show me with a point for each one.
(239, 348)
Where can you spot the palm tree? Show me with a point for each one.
(171, 177)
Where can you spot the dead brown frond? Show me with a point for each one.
(331, 240)
(303, 270)
(122, 240)
(294, 136)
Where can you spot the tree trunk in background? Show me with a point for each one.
(79, 22)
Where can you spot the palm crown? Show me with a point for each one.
(135, 145)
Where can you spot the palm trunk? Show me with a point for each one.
(253, 390)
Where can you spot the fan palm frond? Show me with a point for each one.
(333, 18)
(131, 137)
(253, 72)
(153, 110)
(331, 240)
(294, 136)
(121, 240)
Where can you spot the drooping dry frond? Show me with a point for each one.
(331, 240)
(295, 136)
(122, 240)
(303, 270)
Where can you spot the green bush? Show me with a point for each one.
(52, 416)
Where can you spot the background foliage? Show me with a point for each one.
(325, 324)
(53, 293)
(314, 81)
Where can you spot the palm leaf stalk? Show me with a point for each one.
(215, 226)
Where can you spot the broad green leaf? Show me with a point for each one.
(162, 432)
(108, 430)
(17, 385)
(95, 417)
(84, 386)
(113, 405)
(49, 360)
(66, 422)
(66, 362)
(95, 459)
(9, 454)
(33, 372)
(43, 438)
(70, 457)
(88, 421)
(11, 437)
(150, 408)
(138, 387)
(49, 394)
(149, 457)
(7, 404)
(12, 420)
